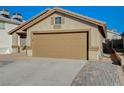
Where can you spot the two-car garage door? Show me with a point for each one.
(60, 45)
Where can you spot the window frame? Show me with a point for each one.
(2, 25)
(59, 19)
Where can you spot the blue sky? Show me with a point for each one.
(112, 15)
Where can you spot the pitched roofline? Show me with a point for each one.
(80, 16)
(88, 19)
(10, 20)
(113, 32)
(36, 19)
(33, 18)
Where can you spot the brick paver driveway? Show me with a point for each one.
(99, 74)
(38, 71)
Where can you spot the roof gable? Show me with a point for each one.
(91, 20)
(41, 16)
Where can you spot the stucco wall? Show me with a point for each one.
(5, 39)
(15, 39)
(15, 43)
(95, 37)
(23, 45)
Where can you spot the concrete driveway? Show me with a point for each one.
(39, 71)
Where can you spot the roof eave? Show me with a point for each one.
(20, 26)
(28, 24)
(91, 20)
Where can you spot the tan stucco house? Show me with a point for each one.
(58, 33)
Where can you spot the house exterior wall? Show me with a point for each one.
(95, 38)
(23, 45)
(112, 35)
(18, 43)
(5, 39)
(15, 43)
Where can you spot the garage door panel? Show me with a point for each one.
(66, 45)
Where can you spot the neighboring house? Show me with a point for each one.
(113, 35)
(7, 23)
(114, 38)
(58, 33)
(122, 37)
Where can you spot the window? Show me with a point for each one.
(2, 25)
(57, 20)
